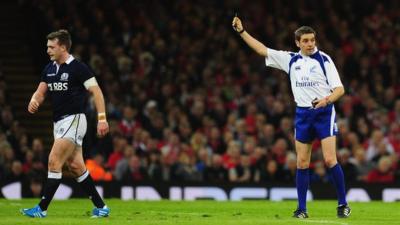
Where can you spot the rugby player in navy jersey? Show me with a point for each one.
(68, 82)
(316, 86)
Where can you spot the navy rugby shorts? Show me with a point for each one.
(313, 123)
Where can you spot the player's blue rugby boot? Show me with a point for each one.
(35, 212)
(101, 212)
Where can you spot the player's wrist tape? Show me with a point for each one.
(101, 117)
(239, 32)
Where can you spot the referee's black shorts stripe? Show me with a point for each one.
(69, 127)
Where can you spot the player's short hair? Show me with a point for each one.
(303, 30)
(63, 37)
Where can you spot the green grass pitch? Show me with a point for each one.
(77, 211)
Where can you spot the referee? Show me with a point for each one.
(316, 86)
(67, 81)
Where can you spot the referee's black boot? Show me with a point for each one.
(298, 213)
(343, 211)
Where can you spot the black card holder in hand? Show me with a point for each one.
(314, 102)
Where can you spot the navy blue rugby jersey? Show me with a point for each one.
(65, 87)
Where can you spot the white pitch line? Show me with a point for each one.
(323, 222)
(15, 204)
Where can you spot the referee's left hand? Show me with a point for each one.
(102, 128)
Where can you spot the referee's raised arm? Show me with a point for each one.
(257, 46)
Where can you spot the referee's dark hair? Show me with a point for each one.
(303, 30)
(63, 36)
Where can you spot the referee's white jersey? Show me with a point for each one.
(311, 77)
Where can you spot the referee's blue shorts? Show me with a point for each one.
(315, 123)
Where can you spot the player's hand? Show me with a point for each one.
(237, 24)
(102, 128)
(33, 106)
(320, 103)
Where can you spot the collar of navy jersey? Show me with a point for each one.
(69, 60)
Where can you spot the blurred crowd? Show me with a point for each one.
(187, 101)
(22, 158)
